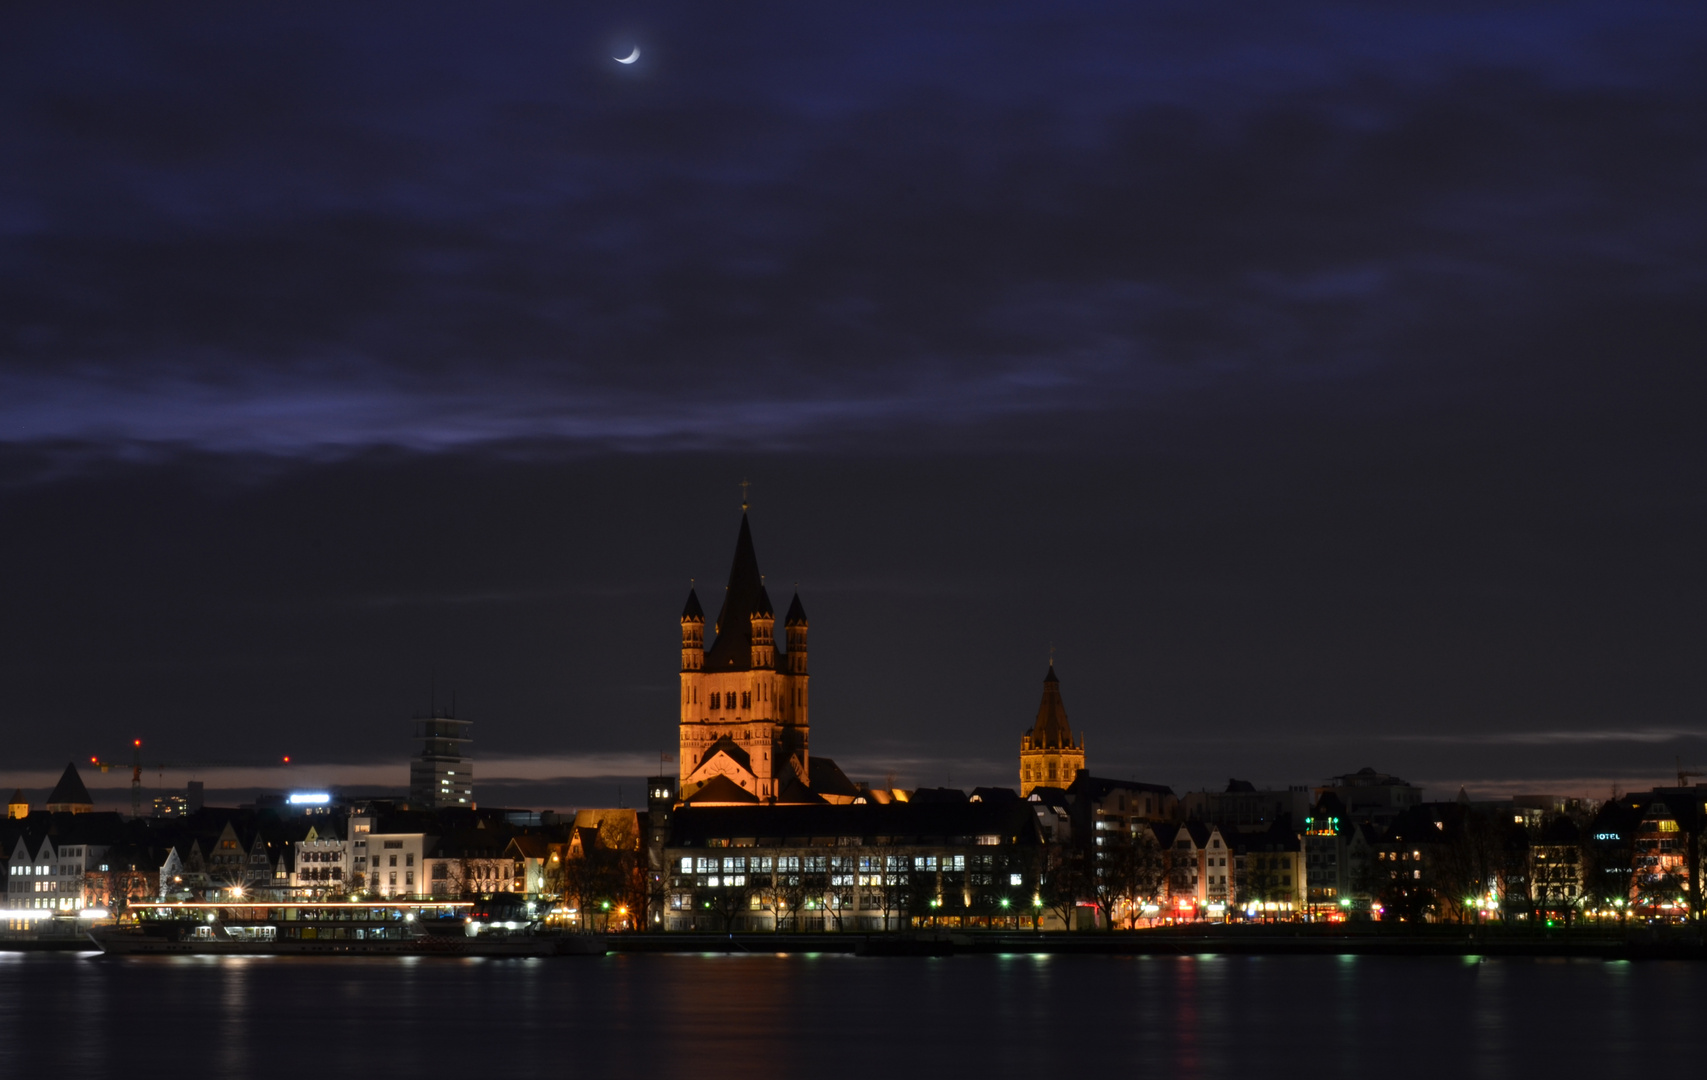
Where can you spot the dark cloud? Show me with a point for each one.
(1330, 370)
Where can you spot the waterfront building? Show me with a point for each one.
(321, 859)
(853, 868)
(1324, 837)
(1268, 872)
(744, 702)
(391, 856)
(48, 867)
(465, 862)
(1556, 867)
(1049, 754)
(529, 855)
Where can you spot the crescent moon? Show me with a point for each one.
(630, 58)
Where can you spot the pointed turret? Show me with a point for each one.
(1051, 730)
(18, 806)
(1049, 756)
(693, 633)
(794, 628)
(763, 619)
(69, 795)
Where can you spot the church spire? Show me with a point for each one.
(732, 649)
(1049, 756)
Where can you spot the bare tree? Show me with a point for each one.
(1063, 882)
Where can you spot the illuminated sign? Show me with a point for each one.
(310, 798)
(1606, 836)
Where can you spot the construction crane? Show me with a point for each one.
(160, 768)
(135, 775)
(1683, 774)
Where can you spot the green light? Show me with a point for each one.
(1004, 901)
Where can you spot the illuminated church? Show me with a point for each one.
(1049, 756)
(745, 703)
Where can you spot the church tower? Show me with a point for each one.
(744, 707)
(1048, 754)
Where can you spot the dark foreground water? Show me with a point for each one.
(840, 1016)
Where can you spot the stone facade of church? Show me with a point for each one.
(744, 697)
(1049, 756)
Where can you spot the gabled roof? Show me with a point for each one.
(1051, 731)
(1098, 787)
(529, 846)
(794, 793)
(726, 745)
(1049, 796)
(70, 790)
(721, 790)
(826, 778)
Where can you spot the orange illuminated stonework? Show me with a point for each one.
(744, 699)
(1049, 756)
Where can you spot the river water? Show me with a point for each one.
(705, 1016)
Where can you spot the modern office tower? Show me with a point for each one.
(441, 775)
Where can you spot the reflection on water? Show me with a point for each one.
(833, 1016)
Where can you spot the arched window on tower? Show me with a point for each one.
(714, 697)
(746, 699)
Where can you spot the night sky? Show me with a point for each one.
(1323, 384)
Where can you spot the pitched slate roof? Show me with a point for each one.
(692, 610)
(721, 789)
(726, 745)
(70, 790)
(827, 778)
(796, 613)
(794, 793)
(1051, 730)
(732, 649)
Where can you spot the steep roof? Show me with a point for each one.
(721, 790)
(726, 745)
(732, 649)
(794, 793)
(70, 790)
(1051, 730)
(796, 613)
(692, 610)
(827, 778)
